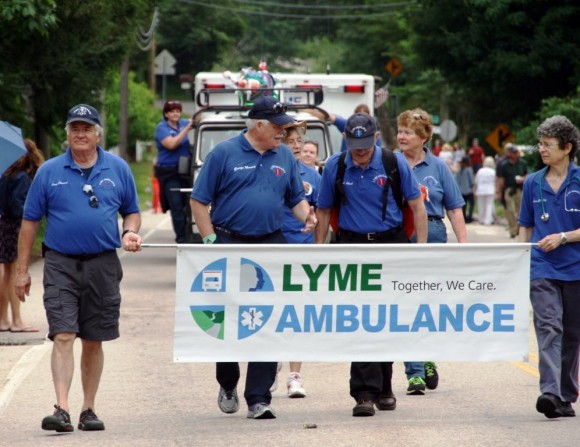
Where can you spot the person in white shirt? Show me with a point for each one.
(484, 190)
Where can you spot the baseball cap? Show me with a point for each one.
(85, 113)
(271, 109)
(359, 131)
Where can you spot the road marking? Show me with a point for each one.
(31, 358)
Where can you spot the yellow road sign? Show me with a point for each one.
(498, 137)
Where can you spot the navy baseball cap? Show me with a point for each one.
(359, 131)
(84, 112)
(271, 109)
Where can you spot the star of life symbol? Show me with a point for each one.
(252, 319)
(82, 111)
(359, 131)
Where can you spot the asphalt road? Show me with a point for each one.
(147, 400)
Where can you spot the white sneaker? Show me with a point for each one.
(274, 386)
(295, 385)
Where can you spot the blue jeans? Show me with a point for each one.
(437, 234)
(415, 369)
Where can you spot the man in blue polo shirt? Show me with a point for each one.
(248, 180)
(361, 221)
(80, 193)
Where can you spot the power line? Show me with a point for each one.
(326, 7)
(294, 16)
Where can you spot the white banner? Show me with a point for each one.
(467, 302)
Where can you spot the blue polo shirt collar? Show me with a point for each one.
(376, 162)
(246, 146)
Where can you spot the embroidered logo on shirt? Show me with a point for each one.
(278, 170)
(59, 183)
(380, 180)
(107, 183)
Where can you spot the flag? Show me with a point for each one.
(381, 96)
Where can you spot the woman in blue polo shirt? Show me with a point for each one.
(550, 216)
(173, 144)
(414, 131)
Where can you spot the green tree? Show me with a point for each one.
(68, 63)
(508, 55)
(143, 117)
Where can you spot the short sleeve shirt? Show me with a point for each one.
(248, 190)
(72, 225)
(363, 189)
(166, 157)
(563, 208)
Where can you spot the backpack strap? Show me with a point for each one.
(394, 179)
(341, 169)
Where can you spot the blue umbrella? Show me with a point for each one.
(11, 145)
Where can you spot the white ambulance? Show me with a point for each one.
(222, 103)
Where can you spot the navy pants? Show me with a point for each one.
(370, 380)
(260, 375)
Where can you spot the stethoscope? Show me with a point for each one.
(546, 216)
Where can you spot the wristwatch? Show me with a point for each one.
(563, 238)
(127, 231)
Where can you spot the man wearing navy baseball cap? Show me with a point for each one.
(249, 180)
(81, 194)
(356, 182)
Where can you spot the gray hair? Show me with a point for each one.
(252, 123)
(489, 162)
(98, 129)
(563, 130)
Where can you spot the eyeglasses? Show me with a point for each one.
(93, 201)
(547, 146)
(279, 107)
(418, 116)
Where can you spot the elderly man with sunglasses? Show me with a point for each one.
(80, 193)
(248, 180)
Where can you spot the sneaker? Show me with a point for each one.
(386, 402)
(228, 401)
(550, 405)
(567, 410)
(295, 385)
(274, 386)
(363, 407)
(431, 375)
(416, 386)
(58, 421)
(261, 411)
(88, 421)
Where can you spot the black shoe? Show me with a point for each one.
(549, 405)
(58, 421)
(431, 375)
(88, 421)
(386, 402)
(363, 407)
(567, 410)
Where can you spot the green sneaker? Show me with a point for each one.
(416, 386)
(431, 375)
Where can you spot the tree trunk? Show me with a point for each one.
(124, 109)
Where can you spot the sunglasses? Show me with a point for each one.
(93, 201)
(279, 107)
